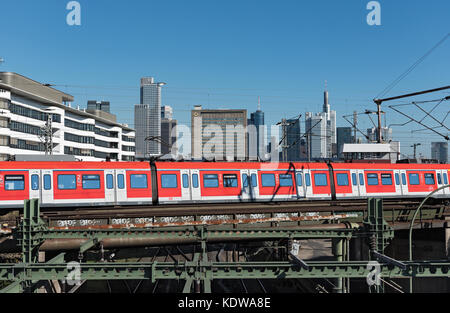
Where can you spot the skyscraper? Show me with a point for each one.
(344, 135)
(256, 137)
(439, 151)
(147, 119)
(320, 131)
(386, 133)
(168, 130)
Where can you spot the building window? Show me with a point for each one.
(14, 182)
(138, 181)
(79, 139)
(66, 182)
(414, 179)
(169, 181)
(42, 116)
(320, 179)
(386, 179)
(79, 126)
(210, 181)
(342, 179)
(268, 180)
(285, 180)
(372, 179)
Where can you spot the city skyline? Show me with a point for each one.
(281, 54)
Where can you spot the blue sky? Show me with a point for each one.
(224, 54)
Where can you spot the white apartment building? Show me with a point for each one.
(25, 106)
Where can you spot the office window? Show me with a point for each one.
(91, 181)
(429, 179)
(361, 179)
(120, 181)
(299, 179)
(268, 180)
(14, 182)
(185, 181)
(35, 182)
(210, 181)
(230, 180)
(342, 179)
(254, 180)
(244, 180)
(403, 179)
(414, 179)
(354, 182)
(169, 181)
(195, 180)
(138, 181)
(386, 179)
(47, 182)
(308, 179)
(320, 179)
(109, 181)
(397, 179)
(372, 179)
(67, 182)
(285, 180)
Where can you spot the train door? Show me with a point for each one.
(398, 183)
(254, 190)
(300, 182)
(403, 182)
(47, 186)
(35, 184)
(361, 183)
(441, 182)
(185, 185)
(195, 189)
(110, 184)
(354, 183)
(308, 183)
(120, 186)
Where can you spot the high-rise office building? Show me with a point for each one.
(168, 130)
(320, 131)
(256, 136)
(166, 112)
(219, 134)
(386, 134)
(439, 151)
(147, 119)
(344, 135)
(291, 144)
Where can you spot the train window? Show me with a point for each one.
(299, 179)
(185, 181)
(268, 180)
(403, 179)
(195, 180)
(138, 181)
(120, 181)
(14, 182)
(91, 181)
(397, 179)
(308, 179)
(230, 180)
(342, 179)
(35, 182)
(254, 180)
(414, 179)
(354, 182)
(245, 180)
(439, 178)
(361, 179)
(429, 179)
(67, 182)
(47, 182)
(445, 179)
(169, 181)
(210, 181)
(386, 179)
(109, 181)
(285, 180)
(320, 179)
(372, 179)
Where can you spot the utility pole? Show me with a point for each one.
(47, 135)
(415, 146)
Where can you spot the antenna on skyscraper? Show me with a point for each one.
(259, 103)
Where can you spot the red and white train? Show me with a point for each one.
(129, 183)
